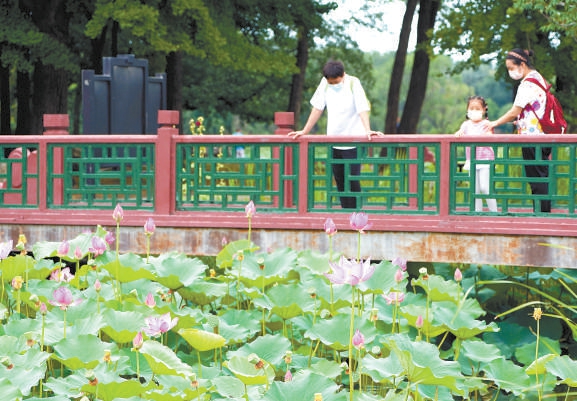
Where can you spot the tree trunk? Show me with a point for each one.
(419, 76)
(49, 85)
(5, 101)
(23, 126)
(174, 76)
(50, 94)
(391, 120)
(298, 80)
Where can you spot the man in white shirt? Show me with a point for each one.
(347, 115)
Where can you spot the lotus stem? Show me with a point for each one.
(351, 331)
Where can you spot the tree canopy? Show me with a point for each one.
(251, 58)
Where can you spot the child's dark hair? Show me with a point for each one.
(483, 103)
(333, 69)
(518, 56)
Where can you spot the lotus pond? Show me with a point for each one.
(80, 320)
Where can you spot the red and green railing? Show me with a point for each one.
(415, 179)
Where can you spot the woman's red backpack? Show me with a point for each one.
(553, 121)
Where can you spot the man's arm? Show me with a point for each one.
(311, 121)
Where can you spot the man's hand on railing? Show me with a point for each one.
(296, 134)
(371, 133)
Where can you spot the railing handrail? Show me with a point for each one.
(166, 215)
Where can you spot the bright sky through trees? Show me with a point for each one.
(371, 39)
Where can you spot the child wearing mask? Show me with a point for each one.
(476, 124)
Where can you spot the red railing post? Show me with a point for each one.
(54, 124)
(285, 121)
(164, 164)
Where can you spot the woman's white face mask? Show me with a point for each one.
(516, 74)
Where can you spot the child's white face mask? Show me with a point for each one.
(475, 115)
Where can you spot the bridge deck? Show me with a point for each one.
(419, 201)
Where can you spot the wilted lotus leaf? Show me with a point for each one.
(202, 340)
(248, 373)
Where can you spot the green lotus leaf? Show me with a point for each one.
(29, 369)
(203, 292)
(412, 310)
(290, 300)
(163, 361)
(304, 386)
(13, 330)
(421, 362)
(383, 280)
(45, 249)
(9, 391)
(461, 321)
(248, 373)
(122, 326)
(239, 325)
(382, 370)
(475, 352)
(324, 367)
(226, 256)
(537, 367)
(510, 337)
(314, 261)
(174, 384)
(119, 389)
(68, 386)
(507, 376)
(335, 332)
(202, 340)
(270, 348)
(24, 266)
(129, 267)
(565, 368)
(438, 288)
(176, 270)
(525, 353)
(263, 270)
(84, 351)
(228, 386)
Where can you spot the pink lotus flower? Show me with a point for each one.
(118, 213)
(98, 246)
(458, 275)
(109, 238)
(155, 325)
(330, 227)
(419, 322)
(5, 249)
(78, 253)
(63, 248)
(350, 271)
(149, 301)
(138, 341)
(360, 222)
(43, 309)
(250, 209)
(358, 340)
(400, 262)
(149, 226)
(62, 275)
(97, 285)
(394, 298)
(17, 282)
(288, 377)
(399, 275)
(62, 297)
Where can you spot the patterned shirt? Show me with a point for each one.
(530, 97)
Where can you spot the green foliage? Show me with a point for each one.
(282, 315)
